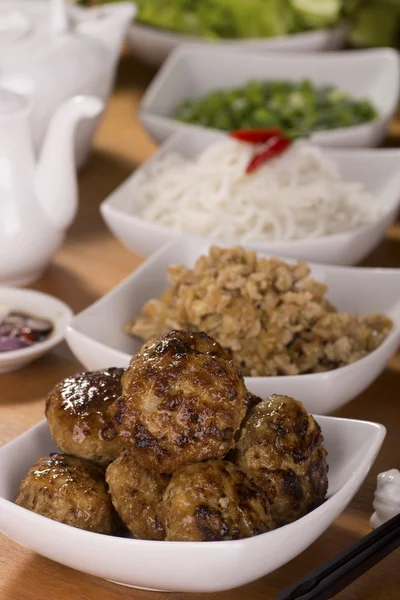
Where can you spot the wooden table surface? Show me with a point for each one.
(92, 262)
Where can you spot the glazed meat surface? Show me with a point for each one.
(183, 401)
(77, 413)
(136, 494)
(253, 400)
(69, 490)
(213, 501)
(281, 449)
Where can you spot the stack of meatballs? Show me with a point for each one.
(175, 448)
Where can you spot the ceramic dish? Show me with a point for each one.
(32, 224)
(97, 339)
(377, 170)
(153, 45)
(184, 566)
(193, 72)
(60, 54)
(41, 305)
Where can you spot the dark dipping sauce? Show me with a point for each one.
(19, 330)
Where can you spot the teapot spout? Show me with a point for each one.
(108, 24)
(55, 177)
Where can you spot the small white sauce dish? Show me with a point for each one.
(152, 45)
(377, 170)
(193, 72)
(97, 338)
(39, 305)
(184, 566)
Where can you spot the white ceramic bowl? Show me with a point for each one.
(378, 170)
(194, 72)
(97, 339)
(184, 566)
(40, 305)
(153, 45)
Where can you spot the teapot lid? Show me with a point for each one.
(13, 25)
(11, 103)
(30, 26)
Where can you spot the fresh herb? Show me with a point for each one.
(298, 109)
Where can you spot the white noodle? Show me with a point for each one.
(297, 195)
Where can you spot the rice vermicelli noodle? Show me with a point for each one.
(297, 195)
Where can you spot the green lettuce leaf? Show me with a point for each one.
(318, 13)
(376, 24)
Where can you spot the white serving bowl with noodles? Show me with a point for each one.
(377, 171)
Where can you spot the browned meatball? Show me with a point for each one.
(252, 401)
(136, 494)
(213, 501)
(69, 490)
(183, 401)
(77, 413)
(281, 449)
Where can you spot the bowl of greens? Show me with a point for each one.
(258, 25)
(336, 99)
(261, 25)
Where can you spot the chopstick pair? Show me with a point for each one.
(329, 579)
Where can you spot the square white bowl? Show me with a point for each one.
(193, 72)
(97, 339)
(152, 45)
(184, 566)
(378, 170)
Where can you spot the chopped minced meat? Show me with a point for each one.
(271, 315)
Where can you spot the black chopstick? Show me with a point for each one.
(329, 579)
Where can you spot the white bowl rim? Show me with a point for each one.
(310, 377)
(120, 541)
(53, 340)
(187, 38)
(75, 330)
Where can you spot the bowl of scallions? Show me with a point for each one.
(342, 99)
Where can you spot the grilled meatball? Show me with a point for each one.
(252, 401)
(281, 448)
(69, 490)
(136, 493)
(183, 401)
(77, 412)
(213, 501)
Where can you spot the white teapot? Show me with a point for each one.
(52, 52)
(37, 201)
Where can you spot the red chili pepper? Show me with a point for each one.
(274, 147)
(27, 335)
(256, 136)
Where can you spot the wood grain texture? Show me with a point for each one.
(90, 263)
